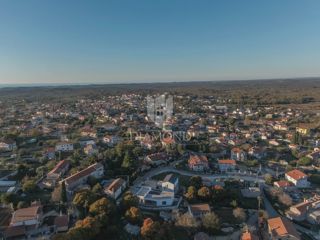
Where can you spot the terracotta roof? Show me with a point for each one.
(25, 214)
(61, 221)
(61, 165)
(282, 183)
(117, 183)
(85, 172)
(200, 208)
(227, 161)
(281, 227)
(248, 236)
(296, 174)
(198, 159)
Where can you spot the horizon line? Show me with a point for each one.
(29, 85)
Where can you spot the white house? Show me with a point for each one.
(298, 178)
(115, 189)
(64, 147)
(198, 210)
(155, 198)
(227, 165)
(170, 183)
(112, 140)
(238, 155)
(198, 162)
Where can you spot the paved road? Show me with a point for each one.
(236, 175)
(272, 213)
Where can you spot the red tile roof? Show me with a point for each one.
(25, 214)
(85, 172)
(61, 221)
(282, 183)
(227, 161)
(198, 159)
(282, 227)
(61, 165)
(296, 174)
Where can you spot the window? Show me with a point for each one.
(164, 203)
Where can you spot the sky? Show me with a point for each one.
(77, 41)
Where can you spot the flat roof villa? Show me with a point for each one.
(153, 197)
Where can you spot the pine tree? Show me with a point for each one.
(63, 192)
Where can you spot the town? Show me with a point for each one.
(188, 166)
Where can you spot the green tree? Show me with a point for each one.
(305, 161)
(127, 161)
(129, 200)
(268, 178)
(29, 186)
(83, 198)
(149, 229)
(239, 214)
(204, 193)
(196, 181)
(63, 197)
(191, 194)
(97, 188)
(211, 222)
(102, 206)
(234, 203)
(133, 215)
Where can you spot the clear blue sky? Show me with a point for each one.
(79, 41)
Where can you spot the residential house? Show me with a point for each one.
(116, 188)
(226, 165)
(257, 152)
(8, 145)
(238, 154)
(88, 132)
(307, 208)
(157, 158)
(84, 141)
(95, 170)
(298, 178)
(61, 223)
(198, 210)
(59, 170)
(155, 197)
(170, 183)
(31, 216)
(198, 162)
(247, 235)
(8, 186)
(112, 140)
(283, 184)
(281, 228)
(64, 147)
